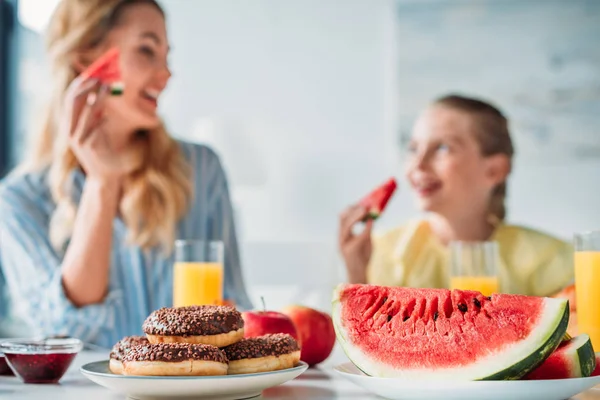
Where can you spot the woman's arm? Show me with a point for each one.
(34, 274)
(86, 265)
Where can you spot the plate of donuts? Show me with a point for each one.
(198, 352)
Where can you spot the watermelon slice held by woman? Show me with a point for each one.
(106, 70)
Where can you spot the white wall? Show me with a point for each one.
(293, 94)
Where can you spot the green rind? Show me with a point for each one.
(587, 359)
(514, 372)
(529, 363)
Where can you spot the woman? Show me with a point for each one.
(88, 228)
(460, 157)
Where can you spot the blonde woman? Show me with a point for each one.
(88, 224)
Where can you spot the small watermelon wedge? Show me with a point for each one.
(376, 201)
(106, 69)
(574, 358)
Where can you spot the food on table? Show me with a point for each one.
(262, 354)
(574, 358)
(315, 333)
(106, 69)
(376, 201)
(40, 361)
(432, 334)
(218, 326)
(174, 359)
(259, 323)
(121, 348)
(173, 345)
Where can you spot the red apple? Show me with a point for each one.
(315, 331)
(258, 323)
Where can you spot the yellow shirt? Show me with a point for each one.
(531, 262)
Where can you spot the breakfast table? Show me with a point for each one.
(321, 382)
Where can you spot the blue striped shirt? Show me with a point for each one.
(140, 281)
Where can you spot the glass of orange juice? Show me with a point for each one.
(473, 266)
(587, 285)
(198, 273)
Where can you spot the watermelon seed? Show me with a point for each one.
(384, 299)
(389, 318)
(435, 316)
(477, 303)
(462, 307)
(406, 317)
(489, 298)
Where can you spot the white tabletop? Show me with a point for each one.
(316, 383)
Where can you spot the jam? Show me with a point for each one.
(40, 368)
(4, 368)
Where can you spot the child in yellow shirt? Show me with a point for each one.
(459, 159)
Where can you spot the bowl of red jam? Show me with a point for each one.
(40, 361)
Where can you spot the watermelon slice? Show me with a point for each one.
(106, 69)
(574, 358)
(376, 201)
(427, 334)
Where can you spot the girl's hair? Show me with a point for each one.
(157, 193)
(493, 136)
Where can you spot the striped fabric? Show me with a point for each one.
(140, 282)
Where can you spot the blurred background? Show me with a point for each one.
(309, 102)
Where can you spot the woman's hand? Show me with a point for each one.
(355, 248)
(84, 120)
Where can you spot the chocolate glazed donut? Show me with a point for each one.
(174, 359)
(263, 354)
(120, 349)
(218, 326)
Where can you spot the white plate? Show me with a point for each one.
(398, 389)
(227, 387)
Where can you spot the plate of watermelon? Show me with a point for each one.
(407, 343)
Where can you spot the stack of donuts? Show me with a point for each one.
(200, 340)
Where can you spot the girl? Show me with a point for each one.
(460, 158)
(88, 225)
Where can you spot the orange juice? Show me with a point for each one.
(587, 292)
(484, 284)
(197, 283)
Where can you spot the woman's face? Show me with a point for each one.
(141, 37)
(445, 166)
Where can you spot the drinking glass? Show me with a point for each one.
(587, 284)
(473, 266)
(198, 273)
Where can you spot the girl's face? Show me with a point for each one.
(446, 168)
(141, 37)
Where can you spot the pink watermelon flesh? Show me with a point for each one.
(574, 358)
(596, 371)
(376, 201)
(106, 69)
(432, 329)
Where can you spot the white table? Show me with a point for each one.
(315, 383)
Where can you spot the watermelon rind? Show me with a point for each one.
(586, 357)
(117, 88)
(513, 363)
(577, 357)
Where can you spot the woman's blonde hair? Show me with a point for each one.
(493, 137)
(157, 193)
